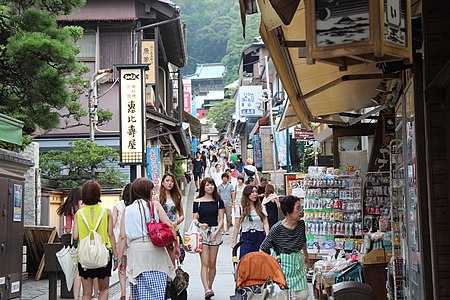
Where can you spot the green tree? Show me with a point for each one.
(236, 44)
(219, 114)
(71, 168)
(40, 76)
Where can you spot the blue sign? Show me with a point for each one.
(154, 166)
(280, 138)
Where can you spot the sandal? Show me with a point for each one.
(209, 294)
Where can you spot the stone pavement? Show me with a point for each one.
(223, 285)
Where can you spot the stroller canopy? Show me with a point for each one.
(255, 267)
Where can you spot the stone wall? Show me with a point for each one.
(32, 207)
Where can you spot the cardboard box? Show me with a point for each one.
(376, 256)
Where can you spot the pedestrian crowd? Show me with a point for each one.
(231, 195)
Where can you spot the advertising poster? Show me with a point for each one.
(293, 184)
(281, 148)
(154, 166)
(351, 161)
(249, 104)
(18, 203)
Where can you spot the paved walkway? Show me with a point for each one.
(223, 284)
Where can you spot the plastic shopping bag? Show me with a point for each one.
(193, 239)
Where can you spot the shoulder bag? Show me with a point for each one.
(160, 234)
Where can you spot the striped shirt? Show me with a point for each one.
(287, 240)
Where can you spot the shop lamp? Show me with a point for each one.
(351, 32)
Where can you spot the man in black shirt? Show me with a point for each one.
(198, 169)
(262, 188)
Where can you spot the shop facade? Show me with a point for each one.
(402, 80)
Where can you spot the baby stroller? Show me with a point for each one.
(254, 271)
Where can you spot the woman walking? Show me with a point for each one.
(148, 266)
(170, 199)
(68, 210)
(208, 216)
(271, 203)
(119, 207)
(289, 238)
(251, 221)
(91, 194)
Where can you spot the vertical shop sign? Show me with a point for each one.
(132, 141)
(148, 58)
(187, 95)
(266, 148)
(281, 147)
(154, 166)
(18, 203)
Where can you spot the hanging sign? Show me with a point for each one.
(148, 58)
(249, 104)
(132, 120)
(266, 148)
(187, 95)
(154, 166)
(303, 133)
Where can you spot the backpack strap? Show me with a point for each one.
(83, 216)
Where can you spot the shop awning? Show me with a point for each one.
(194, 124)
(318, 90)
(261, 122)
(10, 130)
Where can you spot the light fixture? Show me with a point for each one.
(285, 9)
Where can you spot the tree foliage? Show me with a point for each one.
(219, 114)
(40, 76)
(71, 168)
(214, 33)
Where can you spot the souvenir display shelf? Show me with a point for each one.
(333, 212)
(395, 267)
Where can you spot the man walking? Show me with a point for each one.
(226, 191)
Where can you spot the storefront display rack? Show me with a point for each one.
(377, 203)
(333, 212)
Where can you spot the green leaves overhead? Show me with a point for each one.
(214, 34)
(39, 72)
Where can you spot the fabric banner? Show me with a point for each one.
(154, 166)
(257, 153)
(281, 147)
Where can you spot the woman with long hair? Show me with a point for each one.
(271, 203)
(91, 195)
(170, 199)
(68, 210)
(70, 207)
(208, 216)
(251, 221)
(148, 266)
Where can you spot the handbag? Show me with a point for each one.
(67, 258)
(249, 173)
(193, 239)
(160, 234)
(268, 292)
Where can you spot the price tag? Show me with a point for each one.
(393, 12)
(2, 280)
(15, 287)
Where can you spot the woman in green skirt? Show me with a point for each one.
(289, 238)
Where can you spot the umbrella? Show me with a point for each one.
(67, 258)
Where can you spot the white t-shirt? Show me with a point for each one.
(239, 192)
(256, 222)
(217, 178)
(120, 205)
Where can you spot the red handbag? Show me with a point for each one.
(160, 234)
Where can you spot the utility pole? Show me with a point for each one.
(272, 132)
